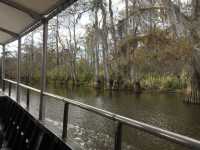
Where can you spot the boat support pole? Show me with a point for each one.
(3, 68)
(18, 70)
(43, 71)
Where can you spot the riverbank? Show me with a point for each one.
(130, 90)
(146, 84)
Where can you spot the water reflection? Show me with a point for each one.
(160, 109)
(91, 131)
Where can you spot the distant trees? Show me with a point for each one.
(94, 43)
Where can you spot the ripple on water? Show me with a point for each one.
(86, 138)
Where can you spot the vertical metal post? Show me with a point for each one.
(27, 99)
(118, 136)
(18, 69)
(9, 89)
(3, 68)
(4, 85)
(65, 121)
(43, 71)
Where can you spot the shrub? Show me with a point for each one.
(164, 82)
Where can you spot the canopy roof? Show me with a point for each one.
(19, 17)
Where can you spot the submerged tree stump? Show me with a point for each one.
(194, 96)
(137, 87)
(115, 85)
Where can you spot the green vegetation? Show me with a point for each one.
(165, 82)
(137, 48)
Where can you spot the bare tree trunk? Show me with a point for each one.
(113, 31)
(195, 40)
(74, 52)
(70, 53)
(126, 14)
(194, 96)
(190, 24)
(96, 51)
(97, 66)
(31, 58)
(57, 40)
(105, 45)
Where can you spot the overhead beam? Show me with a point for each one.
(52, 12)
(59, 6)
(21, 8)
(9, 32)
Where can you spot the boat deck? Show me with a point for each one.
(21, 131)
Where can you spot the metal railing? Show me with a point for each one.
(120, 120)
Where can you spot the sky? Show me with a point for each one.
(87, 19)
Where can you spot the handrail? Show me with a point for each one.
(10, 81)
(156, 131)
(83, 106)
(174, 137)
(23, 85)
(29, 88)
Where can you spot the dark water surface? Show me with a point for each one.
(93, 132)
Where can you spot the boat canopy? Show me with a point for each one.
(19, 17)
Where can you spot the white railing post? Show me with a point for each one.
(3, 68)
(18, 70)
(43, 71)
